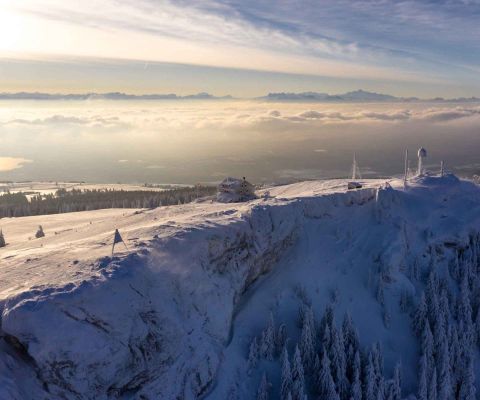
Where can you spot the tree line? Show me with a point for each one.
(64, 201)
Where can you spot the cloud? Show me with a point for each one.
(235, 34)
(445, 115)
(155, 167)
(11, 163)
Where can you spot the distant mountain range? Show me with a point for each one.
(357, 96)
(106, 96)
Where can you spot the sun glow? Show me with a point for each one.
(11, 29)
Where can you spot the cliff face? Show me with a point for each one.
(158, 321)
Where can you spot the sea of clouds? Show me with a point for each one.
(161, 141)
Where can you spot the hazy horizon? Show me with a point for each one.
(192, 141)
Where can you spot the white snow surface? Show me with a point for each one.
(172, 316)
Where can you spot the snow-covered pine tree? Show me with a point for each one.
(422, 379)
(381, 389)
(445, 391)
(316, 370)
(467, 386)
(267, 344)
(404, 301)
(397, 383)
(280, 338)
(307, 349)
(377, 356)
(253, 355)
(420, 316)
(356, 386)
(427, 347)
(262, 393)
(476, 327)
(464, 308)
(326, 385)
(456, 358)
(326, 321)
(298, 376)
(350, 341)
(2, 239)
(326, 341)
(380, 296)
(370, 381)
(432, 387)
(286, 380)
(338, 363)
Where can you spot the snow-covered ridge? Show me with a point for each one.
(157, 319)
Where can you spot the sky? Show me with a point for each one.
(244, 48)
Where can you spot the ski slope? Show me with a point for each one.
(172, 315)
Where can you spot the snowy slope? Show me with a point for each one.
(172, 316)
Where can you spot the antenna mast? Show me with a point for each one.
(405, 175)
(354, 168)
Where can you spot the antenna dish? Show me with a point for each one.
(422, 152)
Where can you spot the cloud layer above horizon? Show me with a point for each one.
(400, 44)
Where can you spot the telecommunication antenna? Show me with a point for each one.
(405, 174)
(422, 153)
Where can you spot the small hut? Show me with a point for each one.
(232, 190)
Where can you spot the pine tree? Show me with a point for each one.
(325, 384)
(281, 338)
(350, 341)
(422, 381)
(476, 325)
(356, 387)
(370, 381)
(262, 393)
(467, 387)
(307, 349)
(445, 392)
(2, 239)
(326, 339)
(381, 389)
(298, 377)
(326, 321)
(420, 316)
(465, 308)
(253, 355)
(432, 388)
(404, 301)
(456, 360)
(286, 382)
(380, 292)
(377, 356)
(267, 344)
(397, 383)
(427, 346)
(338, 363)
